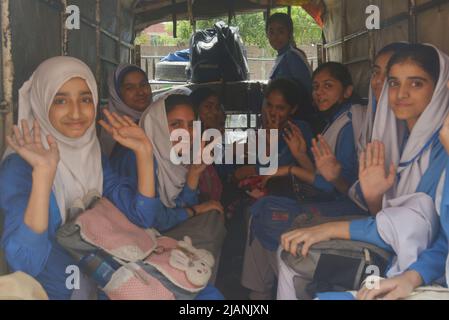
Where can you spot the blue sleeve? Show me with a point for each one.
(25, 249)
(187, 197)
(298, 69)
(366, 231)
(431, 263)
(346, 154)
(123, 161)
(306, 132)
(122, 191)
(149, 212)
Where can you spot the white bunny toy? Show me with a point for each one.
(196, 263)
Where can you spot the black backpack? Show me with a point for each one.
(218, 54)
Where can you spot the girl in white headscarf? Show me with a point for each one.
(54, 164)
(129, 95)
(408, 121)
(179, 212)
(362, 121)
(433, 263)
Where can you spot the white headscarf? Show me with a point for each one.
(412, 163)
(409, 220)
(171, 178)
(79, 173)
(362, 122)
(116, 103)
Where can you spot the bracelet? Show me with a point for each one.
(290, 169)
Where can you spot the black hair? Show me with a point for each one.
(200, 95)
(294, 93)
(391, 48)
(424, 56)
(174, 100)
(338, 71)
(283, 19)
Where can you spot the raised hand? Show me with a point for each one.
(31, 149)
(295, 140)
(374, 181)
(126, 132)
(325, 160)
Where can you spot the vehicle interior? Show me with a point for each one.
(34, 30)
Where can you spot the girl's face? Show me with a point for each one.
(72, 111)
(278, 35)
(410, 91)
(276, 106)
(328, 91)
(135, 91)
(181, 117)
(379, 74)
(211, 113)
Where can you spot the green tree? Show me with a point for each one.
(252, 29)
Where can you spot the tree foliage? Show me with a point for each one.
(251, 26)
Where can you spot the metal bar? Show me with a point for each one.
(343, 29)
(7, 72)
(153, 62)
(118, 30)
(91, 24)
(412, 22)
(174, 19)
(64, 31)
(390, 22)
(146, 66)
(190, 12)
(98, 43)
(150, 7)
(110, 61)
(357, 60)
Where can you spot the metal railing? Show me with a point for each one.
(152, 60)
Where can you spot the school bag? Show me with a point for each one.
(130, 263)
(336, 265)
(217, 54)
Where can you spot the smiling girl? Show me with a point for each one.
(57, 165)
(409, 118)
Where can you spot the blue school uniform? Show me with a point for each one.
(273, 215)
(366, 230)
(431, 264)
(291, 66)
(345, 152)
(39, 254)
(285, 157)
(161, 217)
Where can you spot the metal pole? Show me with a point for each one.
(119, 30)
(343, 30)
(98, 44)
(64, 31)
(412, 22)
(6, 107)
